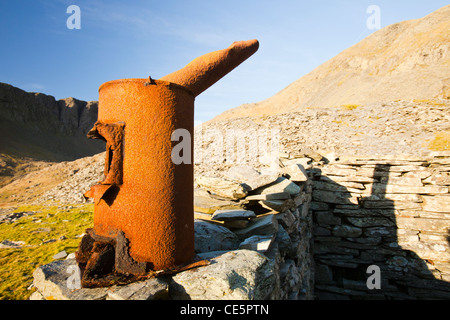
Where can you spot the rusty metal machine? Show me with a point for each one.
(143, 216)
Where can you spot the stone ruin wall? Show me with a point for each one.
(393, 213)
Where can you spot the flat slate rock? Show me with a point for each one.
(208, 204)
(258, 243)
(280, 185)
(250, 177)
(213, 237)
(227, 215)
(266, 225)
(269, 196)
(8, 244)
(152, 289)
(222, 187)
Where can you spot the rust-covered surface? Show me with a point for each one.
(153, 204)
(113, 134)
(206, 70)
(144, 219)
(106, 261)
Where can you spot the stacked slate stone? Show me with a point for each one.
(391, 213)
(266, 212)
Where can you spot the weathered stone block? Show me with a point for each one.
(222, 187)
(391, 204)
(209, 205)
(287, 220)
(346, 231)
(319, 206)
(296, 172)
(152, 289)
(330, 170)
(323, 274)
(389, 188)
(334, 197)
(269, 196)
(325, 218)
(211, 237)
(437, 203)
(421, 224)
(278, 205)
(305, 162)
(365, 222)
(324, 249)
(350, 178)
(52, 282)
(394, 197)
(227, 215)
(280, 185)
(235, 275)
(321, 231)
(250, 177)
(440, 179)
(321, 185)
(265, 225)
(258, 243)
(402, 181)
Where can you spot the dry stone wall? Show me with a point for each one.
(263, 211)
(393, 213)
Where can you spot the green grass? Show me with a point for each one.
(17, 265)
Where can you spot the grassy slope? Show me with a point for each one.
(17, 265)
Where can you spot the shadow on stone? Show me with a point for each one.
(353, 233)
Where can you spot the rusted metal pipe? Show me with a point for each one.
(144, 207)
(206, 70)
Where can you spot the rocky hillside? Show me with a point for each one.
(64, 182)
(404, 61)
(394, 129)
(413, 127)
(40, 127)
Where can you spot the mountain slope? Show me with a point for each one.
(37, 126)
(405, 61)
(36, 130)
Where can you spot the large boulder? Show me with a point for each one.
(234, 275)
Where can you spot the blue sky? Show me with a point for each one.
(135, 39)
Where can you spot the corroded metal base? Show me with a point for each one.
(105, 262)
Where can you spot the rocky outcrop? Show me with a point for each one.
(410, 127)
(39, 126)
(62, 182)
